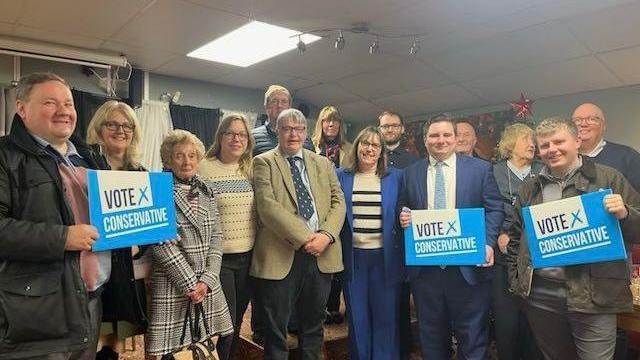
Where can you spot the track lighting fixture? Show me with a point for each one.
(374, 48)
(415, 47)
(301, 46)
(339, 44)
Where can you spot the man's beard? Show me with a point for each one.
(393, 142)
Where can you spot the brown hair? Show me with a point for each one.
(27, 82)
(381, 167)
(328, 112)
(245, 158)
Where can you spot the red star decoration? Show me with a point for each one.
(522, 107)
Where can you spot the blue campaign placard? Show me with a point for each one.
(131, 208)
(576, 230)
(445, 237)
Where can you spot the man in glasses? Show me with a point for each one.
(591, 124)
(297, 249)
(276, 99)
(392, 128)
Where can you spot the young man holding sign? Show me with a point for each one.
(451, 298)
(572, 309)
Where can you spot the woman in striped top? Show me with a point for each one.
(227, 168)
(371, 249)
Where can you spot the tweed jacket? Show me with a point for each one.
(283, 231)
(177, 268)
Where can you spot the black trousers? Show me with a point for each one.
(234, 278)
(304, 289)
(333, 303)
(513, 335)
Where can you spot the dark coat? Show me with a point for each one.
(43, 300)
(124, 297)
(591, 288)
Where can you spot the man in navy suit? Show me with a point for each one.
(451, 298)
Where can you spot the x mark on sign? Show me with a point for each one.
(143, 194)
(575, 216)
(452, 224)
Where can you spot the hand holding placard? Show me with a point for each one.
(614, 204)
(80, 237)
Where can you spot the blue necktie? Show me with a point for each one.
(305, 207)
(439, 193)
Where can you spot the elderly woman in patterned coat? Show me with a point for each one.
(189, 271)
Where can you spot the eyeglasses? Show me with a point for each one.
(331, 121)
(284, 102)
(587, 120)
(114, 126)
(391, 126)
(368, 144)
(230, 135)
(290, 129)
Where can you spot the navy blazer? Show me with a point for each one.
(476, 187)
(391, 240)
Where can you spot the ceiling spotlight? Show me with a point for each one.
(301, 46)
(374, 48)
(339, 44)
(415, 47)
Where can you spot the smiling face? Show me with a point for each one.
(524, 148)
(558, 149)
(291, 135)
(116, 133)
(234, 141)
(440, 140)
(391, 128)
(278, 101)
(48, 112)
(467, 139)
(369, 152)
(184, 161)
(590, 122)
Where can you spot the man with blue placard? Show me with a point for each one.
(451, 298)
(572, 309)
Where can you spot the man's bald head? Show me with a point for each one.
(589, 119)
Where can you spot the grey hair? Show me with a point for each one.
(294, 114)
(274, 89)
(555, 123)
(175, 137)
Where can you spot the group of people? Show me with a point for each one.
(271, 217)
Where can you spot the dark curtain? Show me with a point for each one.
(201, 122)
(86, 105)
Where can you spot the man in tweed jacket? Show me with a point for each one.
(297, 247)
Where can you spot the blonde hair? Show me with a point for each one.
(354, 162)
(274, 89)
(102, 115)
(510, 136)
(555, 123)
(246, 157)
(176, 137)
(328, 112)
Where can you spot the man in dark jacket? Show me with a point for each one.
(46, 310)
(276, 99)
(572, 309)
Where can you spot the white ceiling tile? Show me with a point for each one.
(195, 69)
(177, 26)
(624, 63)
(325, 94)
(554, 10)
(445, 98)
(145, 59)
(57, 37)
(509, 52)
(11, 11)
(91, 18)
(568, 77)
(609, 29)
(398, 78)
(295, 84)
(360, 111)
(254, 79)
(6, 28)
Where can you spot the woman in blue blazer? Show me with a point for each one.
(372, 249)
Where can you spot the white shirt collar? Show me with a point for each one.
(450, 161)
(597, 149)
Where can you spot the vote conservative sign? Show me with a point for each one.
(131, 208)
(445, 237)
(576, 230)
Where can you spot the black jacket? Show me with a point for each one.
(43, 300)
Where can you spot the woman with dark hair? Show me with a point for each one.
(371, 249)
(227, 168)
